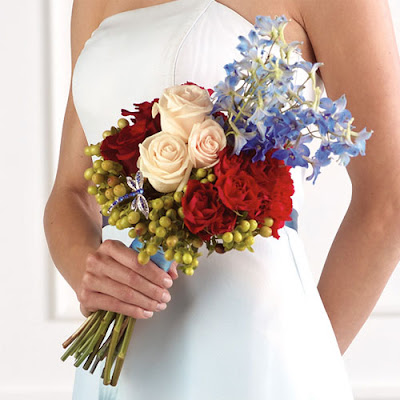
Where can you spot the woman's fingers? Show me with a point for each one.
(99, 301)
(173, 270)
(126, 293)
(106, 267)
(128, 257)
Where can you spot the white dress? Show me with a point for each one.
(245, 325)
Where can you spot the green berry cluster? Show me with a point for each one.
(163, 230)
(242, 237)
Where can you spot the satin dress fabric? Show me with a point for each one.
(245, 325)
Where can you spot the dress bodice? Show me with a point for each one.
(133, 55)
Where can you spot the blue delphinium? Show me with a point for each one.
(266, 109)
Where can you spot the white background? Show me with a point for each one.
(38, 310)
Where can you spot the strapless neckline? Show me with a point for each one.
(128, 12)
(171, 3)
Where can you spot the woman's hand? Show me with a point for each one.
(114, 280)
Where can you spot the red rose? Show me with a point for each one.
(204, 213)
(229, 162)
(123, 147)
(262, 188)
(238, 190)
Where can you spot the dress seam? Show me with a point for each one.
(294, 258)
(184, 39)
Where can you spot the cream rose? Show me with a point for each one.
(164, 161)
(180, 107)
(205, 141)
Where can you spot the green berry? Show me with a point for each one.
(92, 190)
(97, 164)
(201, 173)
(141, 228)
(119, 190)
(180, 212)
(88, 174)
(125, 222)
(195, 263)
(109, 193)
(87, 151)
(112, 181)
(168, 202)
(178, 196)
(169, 254)
(237, 237)
(178, 256)
(132, 233)
(161, 232)
(253, 225)
(106, 134)
(211, 178)
(101, 171)
(143, 257)
(153, 215)
(157, 204)
(101, 199)
(97, 178)
(189, 271)
(268, 222)
(171, 213)
(119, 224)
(153, 226)
(240, 246)
(227, 237)
(265, 231)
(187, 258)
(197, 243)
(111, 221)
(172, 241)
(165, 222)
(244, 225)
(249, 241)
(122, 123)
(115, 214)
(134, 217)
(151, 249)
(204, 180)
(107, 165)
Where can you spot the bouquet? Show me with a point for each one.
(210, 167)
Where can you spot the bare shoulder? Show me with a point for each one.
(85, 18)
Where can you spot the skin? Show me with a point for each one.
(355, 40)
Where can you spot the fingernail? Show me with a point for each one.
(148, 313)
(161, 306)
(167, 282)
(166, 297)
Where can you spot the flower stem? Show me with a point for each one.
(82, 336)
(79, 330)
(111, 350)
(122, 353)
(101, 331)
(101, 353)
(92, 355)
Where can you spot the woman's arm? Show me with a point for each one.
(355, 40)
(103, 275)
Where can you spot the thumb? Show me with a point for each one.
(173, 270)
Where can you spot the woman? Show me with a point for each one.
(246, 325)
